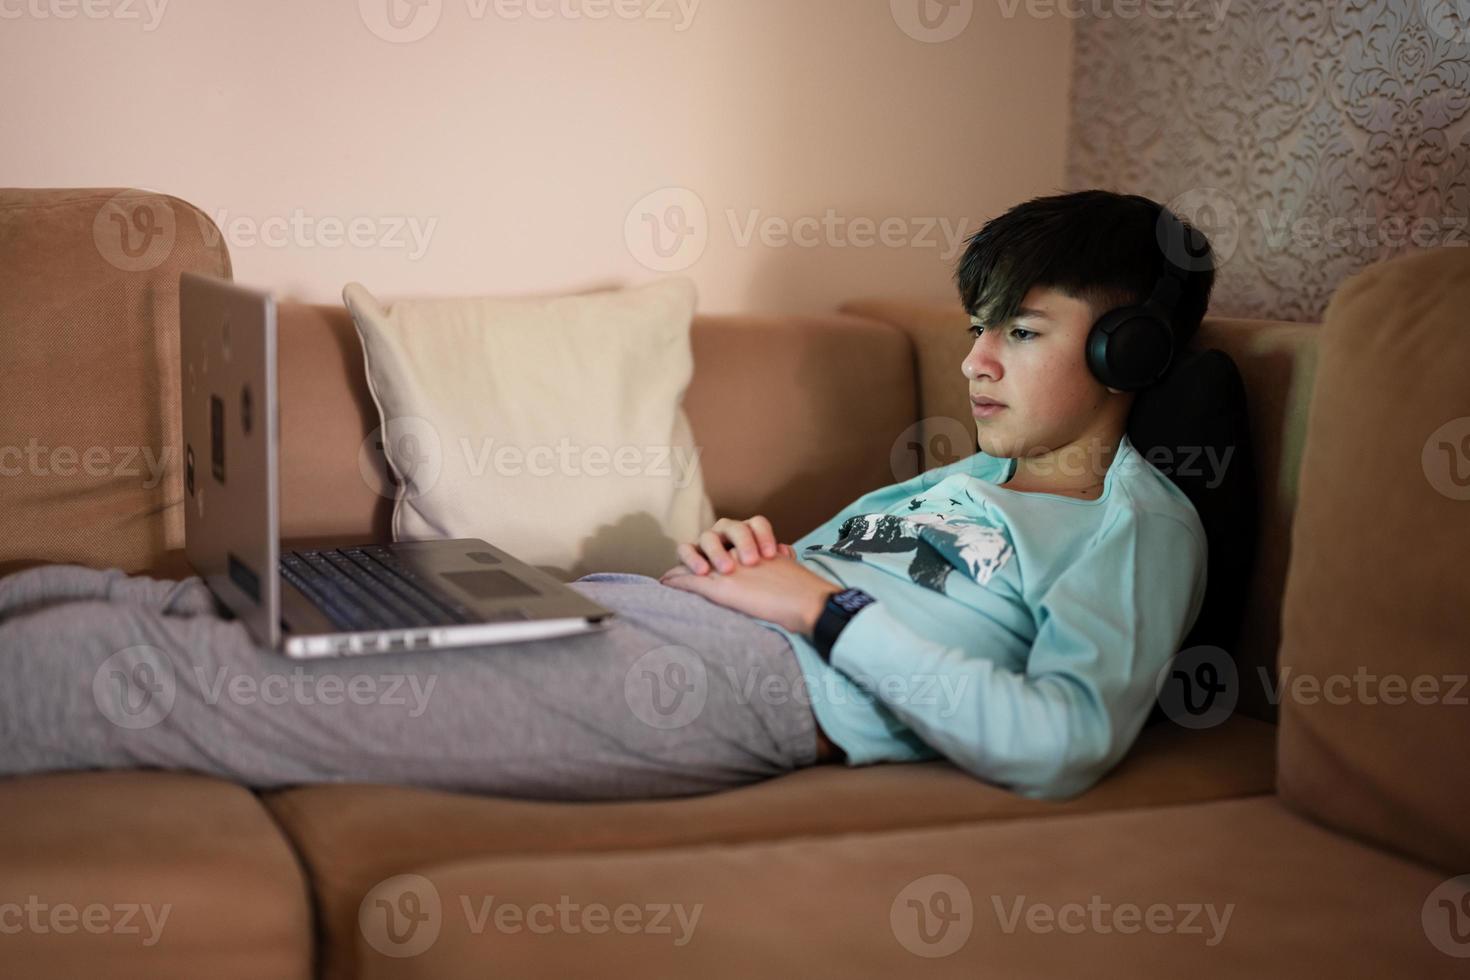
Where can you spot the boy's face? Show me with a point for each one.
(1037, 365)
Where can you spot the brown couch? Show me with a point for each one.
(1332, 862)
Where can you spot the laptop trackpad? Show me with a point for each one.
(489, 584)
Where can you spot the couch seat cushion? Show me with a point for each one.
(147, 874)
(352, 837)
(1236, 888)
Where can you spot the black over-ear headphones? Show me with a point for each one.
(1132, 347)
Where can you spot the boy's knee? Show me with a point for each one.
(88, 632)
(188, 597)
(92, 657)
(184, 597)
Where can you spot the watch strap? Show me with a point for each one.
(841, 607)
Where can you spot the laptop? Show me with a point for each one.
(303, 599)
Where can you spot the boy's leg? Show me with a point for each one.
(46, 585)
(678, 696)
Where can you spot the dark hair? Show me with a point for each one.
(1096, 246)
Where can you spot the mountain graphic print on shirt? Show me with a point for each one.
(938, 543)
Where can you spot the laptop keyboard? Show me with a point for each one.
(369, 588)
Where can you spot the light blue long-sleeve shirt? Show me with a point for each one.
(1018, 634)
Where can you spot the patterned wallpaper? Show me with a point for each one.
(1307, 138)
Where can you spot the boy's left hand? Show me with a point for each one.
(779, 590)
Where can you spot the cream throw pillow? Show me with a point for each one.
(551, 428)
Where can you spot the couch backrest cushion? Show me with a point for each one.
(793, 416)
(90, 468)
(1376, 627)
(1275, 361)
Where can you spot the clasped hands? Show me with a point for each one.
(762, 578)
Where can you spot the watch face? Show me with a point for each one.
(852, 600)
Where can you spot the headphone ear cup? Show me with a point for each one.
(1097, 347)
(1130, 348)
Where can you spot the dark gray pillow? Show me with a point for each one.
(1193, 426)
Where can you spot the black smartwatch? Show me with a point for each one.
(837, 613)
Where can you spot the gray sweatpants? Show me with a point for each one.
(679, 696)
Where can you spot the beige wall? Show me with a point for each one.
(519, 147)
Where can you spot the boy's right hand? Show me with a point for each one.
(753, 541)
